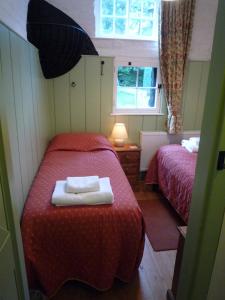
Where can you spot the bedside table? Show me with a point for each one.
(129, 156)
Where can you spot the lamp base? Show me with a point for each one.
(119, 142)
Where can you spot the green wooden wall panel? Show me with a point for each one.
(193, 79)
(77, 96)
(94, 94)
(134, 128)
(33, 116)
(107, 120)
(161, 120)
(92, 87)
(8, 117)
(13, 223)
(161, 123)
(149, 123)
(25, 74)
(44, 108)
(11, 136)
(24, 112)
(35, 99)
(50, 84)
(25, 117)
(62, 104)
(202, 95)
(20, 106)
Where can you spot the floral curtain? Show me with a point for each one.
(176, 20)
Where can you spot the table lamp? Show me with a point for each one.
(119, 134)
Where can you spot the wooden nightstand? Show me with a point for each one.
(129, 156)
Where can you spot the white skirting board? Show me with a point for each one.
(150, 142)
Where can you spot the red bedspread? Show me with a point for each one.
(173, 169)
(93, 244)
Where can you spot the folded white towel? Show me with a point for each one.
(189, 145)
(82, 184)
(103, 196)
(195, 140)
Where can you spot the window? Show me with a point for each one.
(136, 88)
(131, 19)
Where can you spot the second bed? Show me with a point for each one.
(173, 169)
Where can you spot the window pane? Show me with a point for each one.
(107, 7)
(127, 76)
(146, 98)
(107, 25)
(126, 97)
(147, 77)
(148, 8)
(134, 26)
(120, 26)
(147, 27)
(121, 7)
(151, 100)
(135, 8)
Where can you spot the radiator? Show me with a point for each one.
(151, 141)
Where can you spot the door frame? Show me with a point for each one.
(208, 205)
(12, 224)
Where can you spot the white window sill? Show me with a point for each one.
(136, 114)
(125, 38)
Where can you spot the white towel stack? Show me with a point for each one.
(192, 144)
(82, 184)
(90, 190)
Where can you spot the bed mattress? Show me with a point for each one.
(92, 244)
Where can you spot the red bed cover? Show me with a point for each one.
(92, 244)
(173, 169)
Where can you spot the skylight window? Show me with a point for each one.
(129, 19)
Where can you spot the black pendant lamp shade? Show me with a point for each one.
(60, 40)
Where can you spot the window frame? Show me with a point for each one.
(136, 111)
(99, 34)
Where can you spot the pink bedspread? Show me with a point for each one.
(92, 244)
(173, 169)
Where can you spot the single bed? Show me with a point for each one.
(92, 244)
(173, 169)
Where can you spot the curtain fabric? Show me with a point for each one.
(176, 21)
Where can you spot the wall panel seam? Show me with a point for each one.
(16, 117)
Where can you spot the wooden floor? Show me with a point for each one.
(151, 283)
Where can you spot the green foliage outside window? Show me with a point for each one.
(136, 87)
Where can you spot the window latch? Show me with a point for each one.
(221, 161)
(159, 87)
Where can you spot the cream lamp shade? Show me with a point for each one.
(119, 134)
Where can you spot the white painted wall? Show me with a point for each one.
(203, 31)
(13, 13)
(83, 13)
